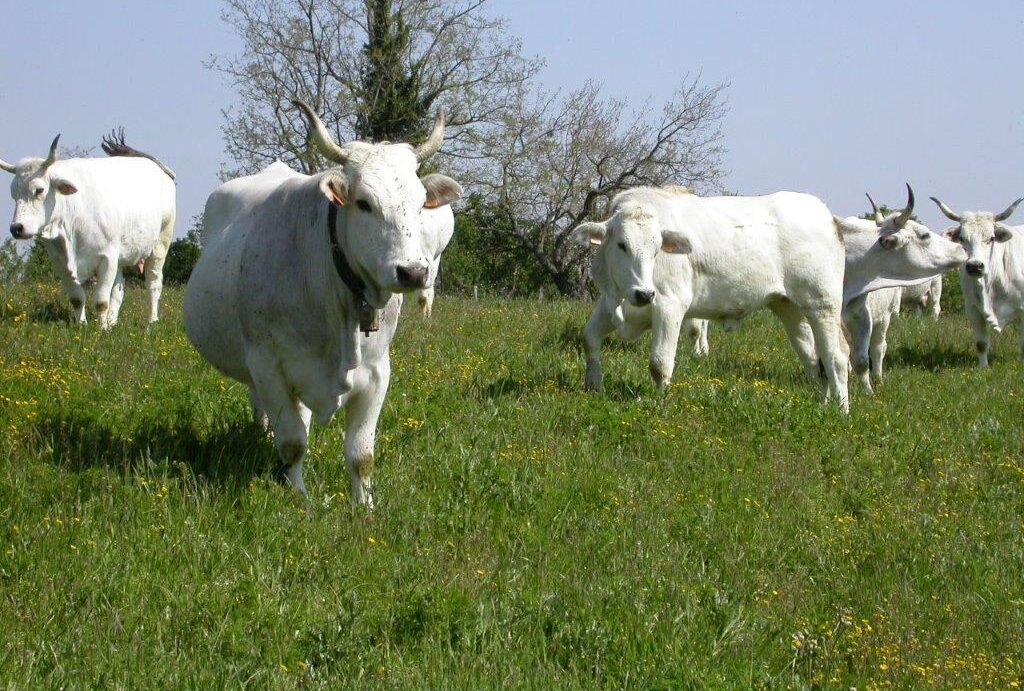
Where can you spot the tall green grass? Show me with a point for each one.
(731, 533)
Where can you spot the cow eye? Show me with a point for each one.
(925, 236)
(363, 205)
(622, 246)
(39, 192)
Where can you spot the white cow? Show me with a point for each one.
(883, 256)
(926, 295)
(663, 256)
(993, 275)
(95, 217)
(298, 290)
(438, 227)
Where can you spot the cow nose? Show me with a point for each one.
(643, 297)
(412, 276)
(18, 230)
(975, 268)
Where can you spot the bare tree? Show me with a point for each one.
(555, 160)
(328, 52)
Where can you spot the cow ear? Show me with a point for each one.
(1003, 233)
(889, 242)
(590, 233)
(63, 186)
(675, 242)
(952, 233)
(335, 188)
(441, 190)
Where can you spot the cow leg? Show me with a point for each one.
(425, 299)
(106, 275)
(153, 269)
(935, 299)
(599, 325)
(697, 330)
(666, 322)
(259, 415)
(858, 320)
(979, 325)
(879, 345)
(800, 336)
(828, 340)
(116, 298)
(289, 418)
(362, 409)
(59, 251)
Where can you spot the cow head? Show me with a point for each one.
(35, 190)
(629, 242)
(912, 249)
(380, 198)
(977, 232)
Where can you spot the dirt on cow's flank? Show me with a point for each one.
(731, 533)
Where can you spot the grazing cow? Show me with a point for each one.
(298, 290)
(926, 295)
(882, 257)
(665, 255)
(96, 216)
(438, 227)
(993, 275)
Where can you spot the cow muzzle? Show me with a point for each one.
(18, 231)
(642, 297)
(412, 276)
(975, 268)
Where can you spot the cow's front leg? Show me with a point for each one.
(59, 251)
(362, 409)
(666, 321)
(858, 322)
(979, 326)
(598, 326)
(879, 346)
(106, 275)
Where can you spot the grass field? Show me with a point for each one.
(731, 533)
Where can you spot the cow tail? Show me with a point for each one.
(114, 145)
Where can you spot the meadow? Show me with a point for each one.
(730, 533)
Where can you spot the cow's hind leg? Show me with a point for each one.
(425, 299)
(828, 340)
(153, 269)
(259, 414)
(362, 409)
(598, 326)
(289, 418)
(799, 333)
(116, 298)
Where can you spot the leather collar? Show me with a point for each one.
(369, 318)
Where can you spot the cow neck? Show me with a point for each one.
(369, 318)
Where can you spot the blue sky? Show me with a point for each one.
(832, 98)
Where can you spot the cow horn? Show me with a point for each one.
(321, 137)
(1009, 210)
(4, 165)
(434, 141)
(950, 214)
(878, 214)
(907, 212)
(51, 157)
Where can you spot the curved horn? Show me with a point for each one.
(950, 214)
(908, 211)
(4, 165)
(434, 141)
(51, 157)
(321, 137)
(878, 214)
(1009, 210)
